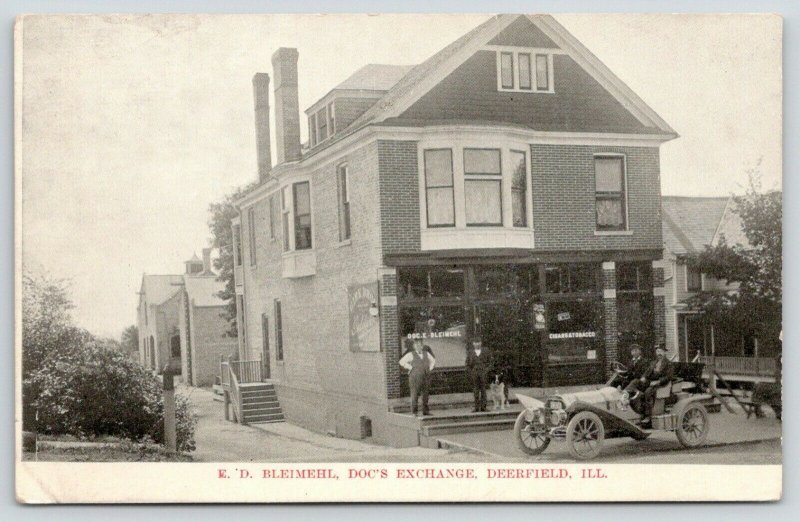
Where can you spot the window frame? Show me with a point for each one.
(343, 201)
(482, 177)
(427, 188)
(532, 54)
(605, 195)
(511, 153)
(286, 225)
(686, 279)
(295, 215)
(312, 129)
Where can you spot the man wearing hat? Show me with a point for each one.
(478, 364)
(659, 374)
(638, 367)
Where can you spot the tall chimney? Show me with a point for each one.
(261, 99)
(207, 261)
(287, 110)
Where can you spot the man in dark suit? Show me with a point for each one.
(638, 367)
(478, 365)
(659, 374)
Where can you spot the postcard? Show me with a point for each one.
(398, 258)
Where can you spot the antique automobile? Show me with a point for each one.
(585, 419)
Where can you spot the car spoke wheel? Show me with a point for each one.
(693, 425)
(531, 436)
(585, 435)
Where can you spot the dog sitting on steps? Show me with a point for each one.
(497, 392)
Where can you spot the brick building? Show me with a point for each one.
(506, 187)
(180, 320)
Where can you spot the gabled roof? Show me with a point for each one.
(375, 77)
(203, 290)
(159, 288)
(426, 75)
(730, 227)
(689, 224)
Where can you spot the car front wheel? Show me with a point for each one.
(531, 436)
(585, 435)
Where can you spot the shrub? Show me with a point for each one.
(98, 390)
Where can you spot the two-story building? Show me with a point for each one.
(181, 321)
(506, 187)
(690, 224)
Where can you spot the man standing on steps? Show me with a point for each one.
(477, 364)
(419, 362)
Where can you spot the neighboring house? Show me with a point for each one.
(506, 187)
(180, 318)
(690, 225)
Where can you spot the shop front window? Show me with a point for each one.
(442, 328)
(563, 279)
(573, 326)
(423, 283)
(635, 276)
(516, 281)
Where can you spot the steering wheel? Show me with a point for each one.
(618, 367)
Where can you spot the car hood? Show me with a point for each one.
(603, 395)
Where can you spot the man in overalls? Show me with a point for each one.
(419, 362)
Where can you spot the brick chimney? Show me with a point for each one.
(207, 262)
(263, 147)
(287, 110)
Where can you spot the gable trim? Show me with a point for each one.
(600, 72)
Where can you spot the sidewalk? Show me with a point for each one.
(219, 440)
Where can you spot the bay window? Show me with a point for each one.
(285, 219)
(439, 187)
(302, 215)
(483, 181)
(519, 188)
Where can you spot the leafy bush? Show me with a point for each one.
(98, 390)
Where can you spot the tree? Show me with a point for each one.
(755, 307)
(220, 224)
(129, 341)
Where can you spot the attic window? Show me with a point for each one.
(524, 70)
(321, 124)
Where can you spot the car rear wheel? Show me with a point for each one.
(693, 425)
(531, 436)
(585, 435)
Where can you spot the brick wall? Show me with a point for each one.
(399, 196)
(610, 313)
(317, 360)
(564, 198)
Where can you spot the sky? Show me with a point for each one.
(131, 126)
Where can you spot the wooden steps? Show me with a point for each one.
(260, 404)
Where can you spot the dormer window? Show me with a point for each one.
(321, 124)
(524, 70)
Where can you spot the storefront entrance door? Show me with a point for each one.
(505, 328)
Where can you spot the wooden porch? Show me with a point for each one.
(748, 369)
(247, 397)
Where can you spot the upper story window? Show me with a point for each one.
(274, 216)
(694, 279)
(251, 236)
(473, 186)
(343, 191)
(321, 124)
(301, 194)
(439, 187)
(237, 245)
(483, 181)
(524, 70)
(610, 193)
(285, 215)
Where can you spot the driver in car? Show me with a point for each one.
(639, 366)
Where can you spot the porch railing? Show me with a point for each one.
(744, 366)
